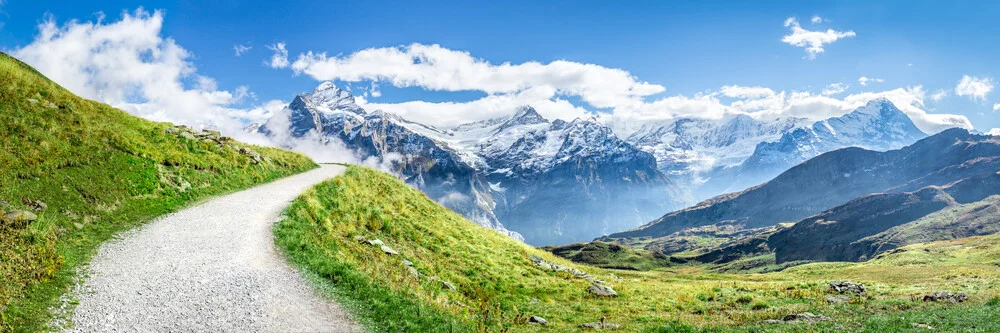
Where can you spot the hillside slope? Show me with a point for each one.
(401, 262)
(88, 171)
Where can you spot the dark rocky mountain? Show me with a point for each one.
(552, 182)
(837, 177)
(867, 226)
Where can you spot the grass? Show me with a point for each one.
(498, 287)
(100, 171)
(610, 255)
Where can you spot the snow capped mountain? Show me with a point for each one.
(878, 126)
(711, 157)
(689, 149)
(552, 182)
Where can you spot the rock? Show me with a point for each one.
(805, 317)
(51, 105)
(413, 271)
(538, 320)
(601, 325)
(944, 296)
(924, 326)
(388, 250)
(170, 130)
(78, 225)
(18, 218)
(359, 239)
(838, 299)
(847, 287)
(187, 136)
(37, 205)
(447, 285)
(407, 262)
(376, 242)
(601, 290)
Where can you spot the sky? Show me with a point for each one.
(228, 63)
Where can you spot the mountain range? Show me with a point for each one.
(546, 182)
(852, 204)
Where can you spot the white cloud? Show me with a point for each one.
(241, 49)
(816, 19)
(127, 64)
(280, 57)
(996, 107)
(835, 89)
(994, 132)
(974, 87)
(627, 99)
(939, 95)
(864, 80)
(812, 41)
(437, 68)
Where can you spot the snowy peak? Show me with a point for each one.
(328, 98)
(525, 115)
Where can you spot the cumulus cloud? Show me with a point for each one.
(996, 107)
(241, 49)
(127, 64)
(835, 89)
(974, 87)
(433, 67)
(994, 132)
(812, 41)
(627, 102)
(280, 57)
(864, 80)
(816, 19)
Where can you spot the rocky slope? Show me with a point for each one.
(867, 226)
(550, 181)
(834, 178)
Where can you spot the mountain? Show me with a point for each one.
(834, 178)
(690, 149)
(879, 126)
(712, 157)
(549, 182)
(867, 226)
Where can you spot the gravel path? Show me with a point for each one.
(209, 268)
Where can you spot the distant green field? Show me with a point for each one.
(498, 287)
(99, 171)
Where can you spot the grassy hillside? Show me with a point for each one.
(499, 283)
(98, 171)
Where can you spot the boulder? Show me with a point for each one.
(601, 325)
(407, 262)
(359, 239)
(538, 320)
(413, 271)
(18, 218)
(601, 290)
(447, 285)
(187, 136)
(376, 242)
(37, 205)
(388, 250)
(847, 287)
(944, 296)
(838, 299)
(805, 317)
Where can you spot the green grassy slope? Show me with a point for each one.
(610, 255)
(498, 287)
(99, 171)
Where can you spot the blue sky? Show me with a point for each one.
(689, 49)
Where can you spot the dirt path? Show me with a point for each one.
(209, 268)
